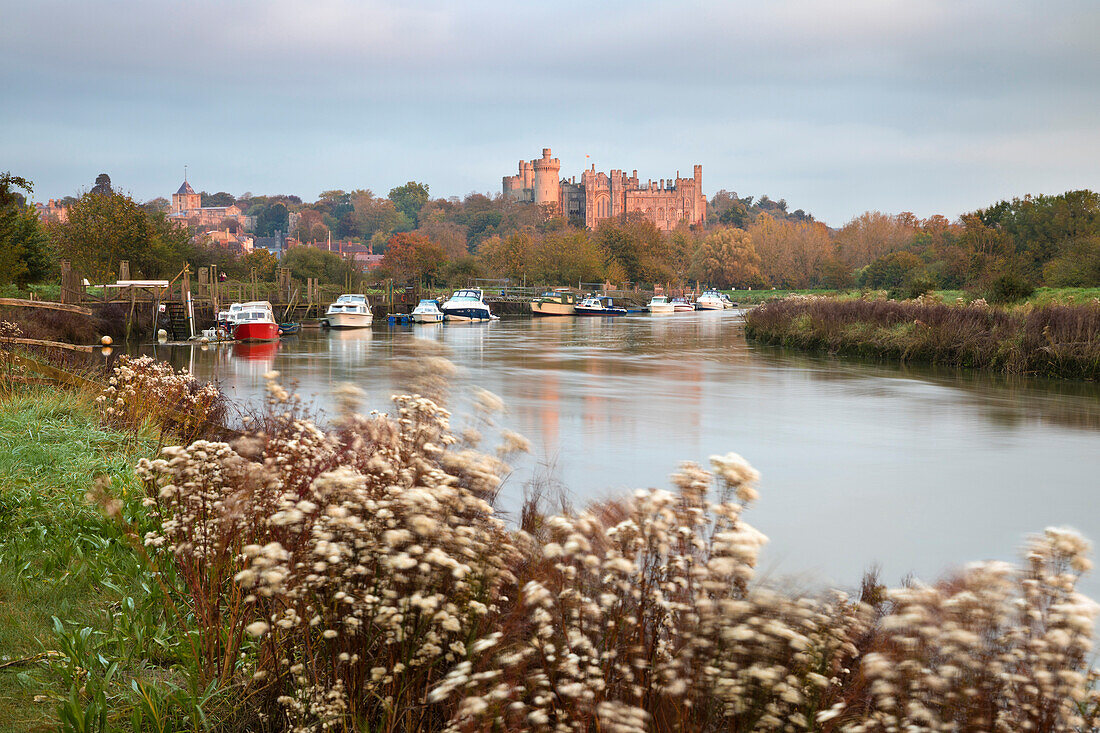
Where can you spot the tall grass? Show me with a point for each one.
(1051, 341)
(355, 576)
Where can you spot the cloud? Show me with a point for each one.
(808, 99)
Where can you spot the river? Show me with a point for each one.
(916, 469)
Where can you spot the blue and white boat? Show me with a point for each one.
(427, 311)
(467, 305)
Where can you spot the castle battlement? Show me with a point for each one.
(600, 196)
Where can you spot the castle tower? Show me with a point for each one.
(547, 172)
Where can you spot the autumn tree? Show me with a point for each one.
(262, 262)
(507, 257)
(727, 258)
(105, 228)
(413, 256)
(793, 253)
(565, 257)
(872, 235)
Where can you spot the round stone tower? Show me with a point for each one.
(547, 172)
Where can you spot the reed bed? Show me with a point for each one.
(1049, 341)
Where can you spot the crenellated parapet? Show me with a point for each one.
(600, 196)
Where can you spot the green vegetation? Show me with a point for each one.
(59, 556)
(1048, 340)
(420, 610)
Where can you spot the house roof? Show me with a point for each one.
(185, 188)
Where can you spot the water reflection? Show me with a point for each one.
(911, 466)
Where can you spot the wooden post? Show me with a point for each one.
(124, 270)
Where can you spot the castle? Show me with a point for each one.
(600, 196)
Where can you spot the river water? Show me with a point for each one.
(916, 469)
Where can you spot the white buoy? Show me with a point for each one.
(106, 341)
(162, 336)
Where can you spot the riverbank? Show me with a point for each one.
(1041, 296)
(1048, 341)
(423, 609)
(60, 557)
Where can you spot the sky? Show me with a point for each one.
(929, 106)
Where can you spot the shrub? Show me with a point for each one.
(358, 575)
(1009, 288)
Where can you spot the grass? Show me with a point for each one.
(1037, 340)
(59, 556)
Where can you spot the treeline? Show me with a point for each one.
(1002, 251)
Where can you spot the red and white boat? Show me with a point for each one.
(255, 322)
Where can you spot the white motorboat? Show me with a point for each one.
(660, 304)
(711, 300)
(598, 306)
(467, 304)
(560, 302)
(349, 311)
(427, 311)
(682, 305)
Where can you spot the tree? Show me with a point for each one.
(792, 253)
(890, 270)
(410, 199)
(872, 235)
(327, 267)
(24, 248)
(221, 198)
(727, 258)
(263, 262)
(272, 218)
(566, 257)
(507, 257)
(159, 205)
(104, 229)
(102, 184)
(412, 256)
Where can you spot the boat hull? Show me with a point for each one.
(427, 317)
(683, 308)
(582, 311)
(467, 314)
(553, 309)
(256, 331)
(349, 320)
(706, 306)
(662, 308)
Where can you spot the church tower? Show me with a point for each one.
(185, 199)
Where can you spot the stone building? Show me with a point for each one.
(187, 209)
(601, 196)
(52, 211)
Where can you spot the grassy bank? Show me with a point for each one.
(59, 556)
(1051, 341)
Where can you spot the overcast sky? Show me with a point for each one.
(929, 106)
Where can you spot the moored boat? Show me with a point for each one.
(559, 302)
(467, 304)
(660, 304)
(349, 311)
(598, 306)
(255, 322)
(681, 305)
(427, 311)
(711, 300)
